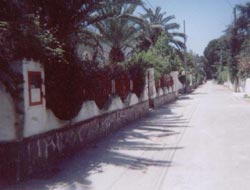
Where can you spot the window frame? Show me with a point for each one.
(30, 75)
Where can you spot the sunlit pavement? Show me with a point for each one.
(200, 142)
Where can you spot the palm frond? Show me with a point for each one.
(172, 26)
(168, 18)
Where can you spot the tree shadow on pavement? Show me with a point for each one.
(184, 97)
(197, 93)
(127, 149)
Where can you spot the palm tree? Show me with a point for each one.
(242, 27)
(238, 33)
(158, 23)
(32, 24)
(119, 32)
(243, 20)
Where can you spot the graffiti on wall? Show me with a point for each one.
(36, 153)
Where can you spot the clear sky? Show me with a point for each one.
(205, 19)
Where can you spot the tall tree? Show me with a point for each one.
(159, 23)
(243, 21)
(238, 32)
(119, 32)
(50, 29)
(217, 52)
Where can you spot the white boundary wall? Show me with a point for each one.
(7, 116)
(38, 119)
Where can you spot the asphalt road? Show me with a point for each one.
(199, 142)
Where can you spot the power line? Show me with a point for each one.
(150, 4)
(229, 3)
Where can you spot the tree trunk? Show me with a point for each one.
(116, 55)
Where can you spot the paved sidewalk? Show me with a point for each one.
(200, 142)
(217, 146)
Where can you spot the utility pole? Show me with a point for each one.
(221, 60)
(235, 17)
(234, 46)
(185, 59)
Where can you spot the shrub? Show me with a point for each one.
(137, 72)
(72, 84)
(64, 89)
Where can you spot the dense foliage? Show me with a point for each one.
(244, 60)
(228, 56)
(119, 33)
(51, 31)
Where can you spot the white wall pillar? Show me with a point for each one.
(177, 83)
(151, 83)
(7, 116)
(247, 87)
(34, 98)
